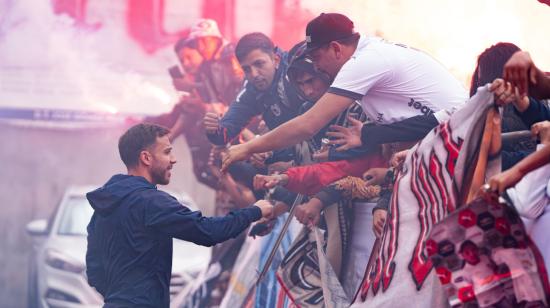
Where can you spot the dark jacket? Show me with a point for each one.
(411, 129)
(129, 256)
(536, 112)
(277, 105)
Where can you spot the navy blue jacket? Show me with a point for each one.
(279, 104)
(536, 112)
(129, 256)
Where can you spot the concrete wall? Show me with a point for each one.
(38, 164)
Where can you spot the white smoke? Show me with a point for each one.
(47, 62)
(454, 32)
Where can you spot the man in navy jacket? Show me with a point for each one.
(129, 256)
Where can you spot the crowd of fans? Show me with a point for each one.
(332, 119)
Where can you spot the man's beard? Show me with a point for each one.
(158, 176)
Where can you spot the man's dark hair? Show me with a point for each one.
(253, 41)
(136, 139)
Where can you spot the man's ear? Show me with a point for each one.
(336, 48)
(146, 158)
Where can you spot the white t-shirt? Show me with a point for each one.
(396, 82)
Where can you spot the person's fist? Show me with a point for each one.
(269, 181)
(309, 213)
(504, 180)
(398, 158)
(211, 122)
(542, 130)
(266, 207)
(262, 227)
(504, 92)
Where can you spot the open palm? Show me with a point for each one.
(346, 137)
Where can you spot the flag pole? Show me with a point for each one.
(269, 260)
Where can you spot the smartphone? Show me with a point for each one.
(175, 72)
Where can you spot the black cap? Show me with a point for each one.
(326, 28)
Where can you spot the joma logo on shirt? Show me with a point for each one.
(418, 105)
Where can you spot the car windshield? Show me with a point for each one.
(75, 217)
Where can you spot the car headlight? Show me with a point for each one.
(62, 262)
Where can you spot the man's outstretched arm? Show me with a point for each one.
(292, 132)
(167, 216)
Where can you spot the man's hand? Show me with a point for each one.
(503, 91)
(378, 221)
(346, 137)
(269, 181)
(504, 180)
(309, 213)
(522, 73)
(264, 226)
(542, 130)
(211, 122)
(235, 153)
(398, 158)
(375, 176)
(266, 207)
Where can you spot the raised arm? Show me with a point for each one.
(224, 130)
(309, 179)
(292, 132)
(510, 177)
